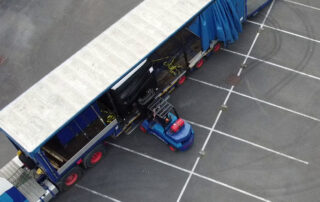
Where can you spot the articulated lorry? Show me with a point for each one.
(121, 80)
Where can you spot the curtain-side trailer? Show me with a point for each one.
(108, 87)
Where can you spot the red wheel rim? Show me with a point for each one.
(200, 63)
(182, 80)
(96, 157)
(71, 179)
(143, 129)
(172, 148)
(217, 47)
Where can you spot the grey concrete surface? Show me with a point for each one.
(295, 18)
(287, 50)
(201, 190)
(37, 36)
(149, 144)
(194, 102)
(281, 87)
(216, 71)
(245, 39)
(129, 177)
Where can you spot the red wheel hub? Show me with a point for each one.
(142, 129)
(200, 63)
(182, 80)
(71, 179)
(172, 148)
(217, 47)
(96, 157)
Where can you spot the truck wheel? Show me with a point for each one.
(217, 47)
(70, 179)
(182, 80)
(200, 63)
(94, 157)
(172, 148)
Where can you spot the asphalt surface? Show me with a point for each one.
(263, 147)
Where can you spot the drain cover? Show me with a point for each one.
(233, 79)
(2, 59)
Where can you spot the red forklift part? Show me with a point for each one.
(142, 129)
(177, 125)
(172, 148)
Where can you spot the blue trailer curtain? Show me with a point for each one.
(220, 21)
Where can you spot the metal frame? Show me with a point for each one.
(86, 148)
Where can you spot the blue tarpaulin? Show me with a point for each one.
(220, 21)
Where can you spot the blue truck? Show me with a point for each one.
(119, 81)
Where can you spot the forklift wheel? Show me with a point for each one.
(143, 129)
(172, 148)
(70, 179)
(94, 157)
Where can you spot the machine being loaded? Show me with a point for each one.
(163, 122)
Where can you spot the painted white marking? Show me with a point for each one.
(96, 193)
(188, 171)
(274, 64)
(250, 143)
(301, 4)
(278, 106)
(262, 147)
(189, 177)
(267, 15)
(231, 187)
(224, 103)
(258, 100)
(209, 84)
(148, 157)
(284, 31)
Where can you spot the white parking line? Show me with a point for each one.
(251, 143)
(284, 31)
(232, 188)
(258, 100)
(262, 147)
(301, 4)
(274, 64)
(148, 157)
(188, 179)
(97, 193)
(277, 106)
(190, 172)
(224, 103)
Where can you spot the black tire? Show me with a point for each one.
(94, 157)
(70, 179)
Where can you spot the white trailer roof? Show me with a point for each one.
(39, 112)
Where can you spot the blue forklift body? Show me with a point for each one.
(180, 140)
